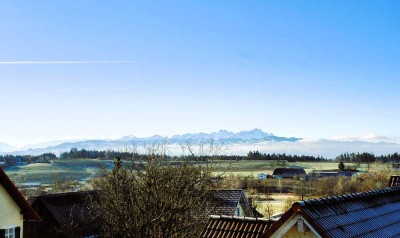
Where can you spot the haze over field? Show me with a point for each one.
(324, 71)
(239, 143)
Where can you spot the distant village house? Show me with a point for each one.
(262, 176)
(291, 173)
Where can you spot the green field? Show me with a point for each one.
(76, 169)
(254, 167)
(82, 169)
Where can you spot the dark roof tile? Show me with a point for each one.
(225, 201)
(295, 171)
(373, 213)
(64, 205)
(357, 214)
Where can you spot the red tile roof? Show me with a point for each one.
(231, 227)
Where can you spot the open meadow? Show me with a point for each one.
(277, 202)
(254, 167)
(76, 169)
(83, 169)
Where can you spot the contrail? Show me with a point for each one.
(70, 62)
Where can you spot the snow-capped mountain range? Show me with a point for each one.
(239, 143)
(6, 147)
(223, 137)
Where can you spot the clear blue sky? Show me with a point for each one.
(312, 69)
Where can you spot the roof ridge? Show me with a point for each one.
(28, 212)
(66, 193)
(227, 189)
(237, 218)
(346, 197)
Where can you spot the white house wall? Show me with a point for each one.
(289, 229)
(10, 212)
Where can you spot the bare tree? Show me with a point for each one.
(268, 209)
(156, 196)
(69, 228)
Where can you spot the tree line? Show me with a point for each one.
(256, 155)
(74, 153)
(13, 160)
(367, 158)
(252, 155)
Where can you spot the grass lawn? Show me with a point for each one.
(82, 169)
(254, 167)
(77, 169)
(280, 203)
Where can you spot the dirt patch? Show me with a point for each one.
(275, 203)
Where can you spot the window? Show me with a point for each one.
(10, 232)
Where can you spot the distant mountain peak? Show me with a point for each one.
(6, 147)
(222, 136)
(253, 134)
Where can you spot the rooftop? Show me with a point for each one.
(279, 171)
(225, 201)
(374, 213)
(229, 227)
(64, 205)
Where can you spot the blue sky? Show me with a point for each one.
(311, 69)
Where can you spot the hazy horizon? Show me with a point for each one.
(257, 140)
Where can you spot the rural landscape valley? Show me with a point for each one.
(200, 119)
(253, 173)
